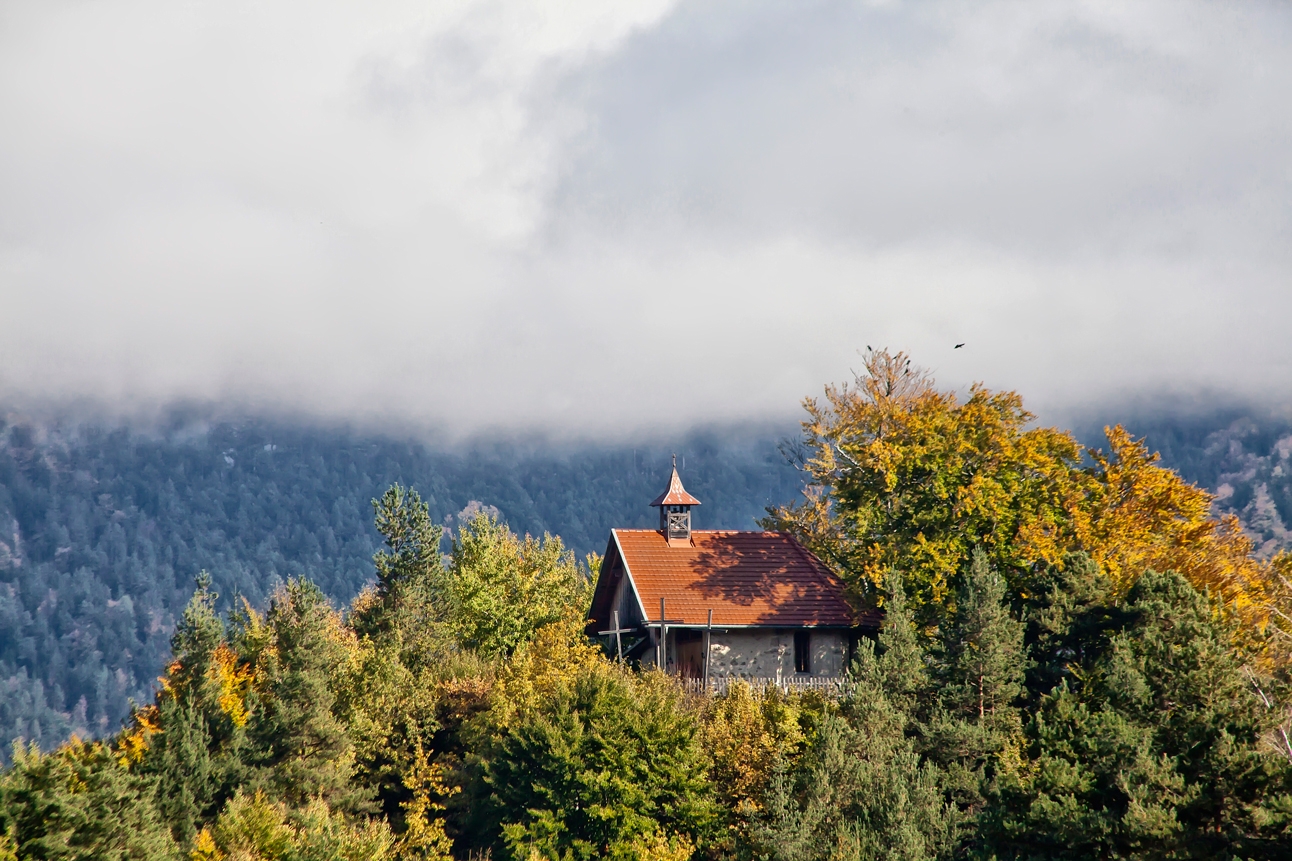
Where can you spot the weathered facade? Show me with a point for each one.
(721, 604)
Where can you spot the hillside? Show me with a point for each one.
(1099, 689)
(102, 532)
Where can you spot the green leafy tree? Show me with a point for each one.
(605, 767)
(501, 589)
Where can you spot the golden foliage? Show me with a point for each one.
(254, 828)
(659, 846)
(132, 742)
(902, 476)
(746, 733)
(423, 836)
(235, 681)
(204, 848)
(549, 665)
(1139, 516)
(364, 602)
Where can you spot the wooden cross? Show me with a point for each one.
(616, 630)
(708, 647)
(661, 647)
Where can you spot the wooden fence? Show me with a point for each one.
(829, 685)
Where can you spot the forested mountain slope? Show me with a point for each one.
(102, 531)
(1075, 659)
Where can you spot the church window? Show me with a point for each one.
(802, 651)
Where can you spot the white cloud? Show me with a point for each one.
(599, 217)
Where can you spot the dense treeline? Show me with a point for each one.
(1077, 659)
(1078, 721)
(102, 532)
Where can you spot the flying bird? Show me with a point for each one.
(958, 346)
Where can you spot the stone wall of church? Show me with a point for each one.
(753, 653)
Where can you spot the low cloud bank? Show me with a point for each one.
(594, 221)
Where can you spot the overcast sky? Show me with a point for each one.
(610, 217)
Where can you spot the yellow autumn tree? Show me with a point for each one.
(747, 733)
(904, 476)
(544, 670)
(1138, 516)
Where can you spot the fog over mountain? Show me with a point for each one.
(606, 220)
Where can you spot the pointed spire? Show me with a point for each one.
(674, 506)
(676, 493)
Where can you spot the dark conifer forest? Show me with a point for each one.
(103, 531)
(261, 640)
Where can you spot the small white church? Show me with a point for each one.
(715, 604)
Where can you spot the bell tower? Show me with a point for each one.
(675, 511)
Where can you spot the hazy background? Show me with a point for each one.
(597, 219)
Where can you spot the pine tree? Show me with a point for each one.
(301, 747)
(862, 790)
(897, 671)
(390, 701)
(195, 640)
(983, 659)
(974, 730)
(1173, 670)
(1153, 750)
(196, 754)
(1070, 616)
(406, 606)
(181, 759)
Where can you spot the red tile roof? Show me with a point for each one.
(676, 494)
(746, 578)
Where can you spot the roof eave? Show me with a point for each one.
(623, 558)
